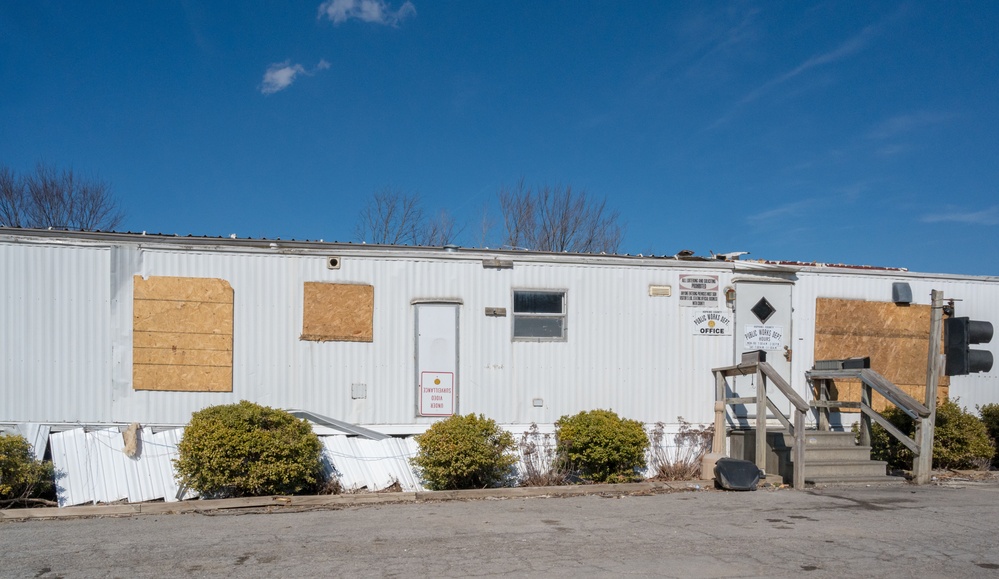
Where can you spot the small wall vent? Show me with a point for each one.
(901, 293)
(333, 262)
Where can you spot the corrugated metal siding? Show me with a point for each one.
(645, 372)
(55, 344)
(371, 464)
(92, 467)
(980, 300)
(67, 336)
(37, 436)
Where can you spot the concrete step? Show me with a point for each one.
(845, 468)
(854, 480)
(832, 453)
(821, 438)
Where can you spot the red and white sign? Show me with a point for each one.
(436, 393)
(699, 291)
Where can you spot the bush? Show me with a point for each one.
(885, 446)
(990, 416)
(22, 476)
(465, 452)
(248, 450)
(602, 446)
(960, 439)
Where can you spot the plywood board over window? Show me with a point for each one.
(896, 337)
(182, 334)
(338, 312)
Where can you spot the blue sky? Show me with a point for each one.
(838, 132)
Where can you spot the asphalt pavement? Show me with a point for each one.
(949, 530)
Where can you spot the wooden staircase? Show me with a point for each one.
(821, 456)
(830, 457)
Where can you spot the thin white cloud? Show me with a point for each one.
(988, 216)
(905, 123)
(374, 11)
(849, 47)
(281, 75)
(781, 212)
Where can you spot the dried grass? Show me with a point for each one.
(542, 465)
(682, 459)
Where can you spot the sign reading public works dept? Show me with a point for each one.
(436, 394)
(699, 291)
(711, 323)
(763, 338)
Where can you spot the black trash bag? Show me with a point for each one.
(733, 474)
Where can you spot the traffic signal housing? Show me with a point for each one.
(959, 335)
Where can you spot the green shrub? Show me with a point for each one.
(990, 416)
(248, 450)
(465, 452)
(885, 446)
(22, 476)
(601, 446)
(960, 439)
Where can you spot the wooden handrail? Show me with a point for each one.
(921, 445)
(764, 372)
(912, 407)
(784, 387)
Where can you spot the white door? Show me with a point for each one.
(436, 359)
(763, 322)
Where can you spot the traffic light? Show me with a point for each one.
(959, 335)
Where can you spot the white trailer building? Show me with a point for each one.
(103, 328)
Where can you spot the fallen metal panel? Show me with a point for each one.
(73, 479)
(37, 435)
(371, 464)
(339, 425)
(92, 467)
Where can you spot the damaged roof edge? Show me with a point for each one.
(321, 247)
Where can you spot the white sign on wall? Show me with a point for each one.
(436, 393)
(711, 322)
(763, 338)
(699, 291)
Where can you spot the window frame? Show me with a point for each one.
(563, 315)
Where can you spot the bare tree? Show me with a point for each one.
(390, 217)
(12, 198)
(395, 218)
(440, 231)
(558, 219)
(52, 198)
